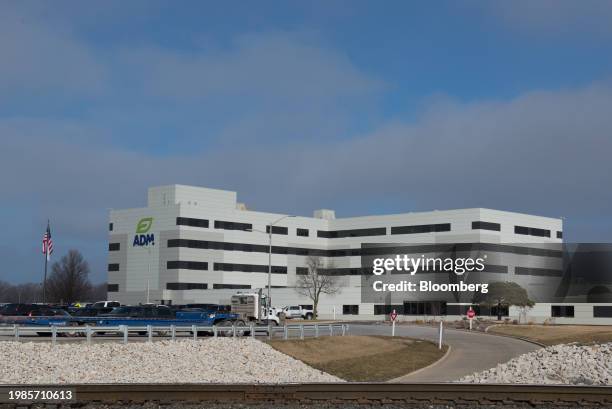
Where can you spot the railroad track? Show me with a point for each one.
(362, 393)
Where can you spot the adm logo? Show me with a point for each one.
(143, 237)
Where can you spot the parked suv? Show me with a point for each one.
(106, 304)
(297, 311)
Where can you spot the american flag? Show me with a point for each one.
(47, 243)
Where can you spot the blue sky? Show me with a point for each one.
(368, 107)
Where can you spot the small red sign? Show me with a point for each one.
(471, 313)
(393, 315)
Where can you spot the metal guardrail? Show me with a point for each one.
(293, 331)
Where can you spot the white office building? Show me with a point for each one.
(200, 245)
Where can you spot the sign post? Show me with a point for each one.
(393, 316)
(471, 314)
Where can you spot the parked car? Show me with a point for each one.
(297, 311)
(19, 310)
(140, 311)
(106, 304)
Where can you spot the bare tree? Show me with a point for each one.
(27, 293)
(99, 292)
(69, 279)
(315, 282)
(6, 291)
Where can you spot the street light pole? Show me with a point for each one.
(270, 260)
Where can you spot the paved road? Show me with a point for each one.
(470, 351)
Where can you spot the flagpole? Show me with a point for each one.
(44, 300)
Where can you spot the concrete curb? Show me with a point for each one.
(399, 378)
(486, 332)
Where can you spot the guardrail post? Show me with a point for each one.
(53, 334)
(214, 331)
(316, 326)
(88, 333)
(16, 329)
(194, 329)
(343, 330)
(150, 333)
(331, 330)
(285, 332)
(124, 330)
(301, 331)
(234, 330)
(252, 330)
(440, 338)
(269, 330)
(173, 331)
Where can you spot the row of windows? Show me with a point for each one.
(376, 231)
(186, 265)
(486, 226)
(204, 286)
(219, 224)
(421, 228)
(112, 288)
(113, 246)
(277, 230)
(113, 267)
(249, 268)
(531, 231)
(337, 234)
(567, 311)
(189, 221)
(369, 251)
(186, 286)
(531, 271)
(347, 271)
(436, 308)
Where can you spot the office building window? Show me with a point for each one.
(231, 286)
(186, 286)
(112, 288)
(277, 230)
(559, 234)
(602, 311)
(532, 271)
(187, 265)
(110, 227)
(566, 311)
(421, 228)
(388, 309)
(189, 221)
(350, 309)
(113, 246)
(249, 268)
(220, 224)
(480, 225)
(338, 234)
(531, 231)
(302, 232)
(113, 267)
(425, 308)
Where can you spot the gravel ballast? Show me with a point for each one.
(568, 364)
(214, 360)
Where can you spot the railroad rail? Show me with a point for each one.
(338, 393)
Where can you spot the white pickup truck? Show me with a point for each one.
(297, 311)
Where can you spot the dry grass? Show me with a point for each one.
(363, 358)
(557, 334)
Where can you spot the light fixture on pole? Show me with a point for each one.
(269, 232)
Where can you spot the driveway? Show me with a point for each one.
(470, 351)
